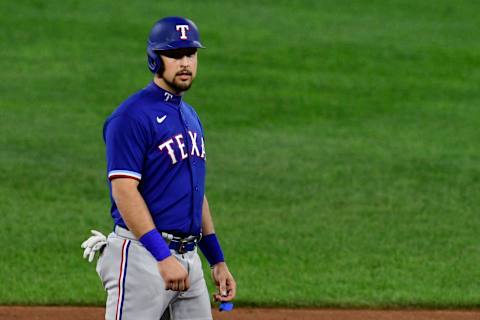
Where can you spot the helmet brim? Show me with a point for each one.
(178, 45)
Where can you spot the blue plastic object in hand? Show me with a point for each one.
(225, 306)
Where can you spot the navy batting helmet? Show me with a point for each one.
(168, 34)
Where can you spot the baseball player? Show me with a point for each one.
(156, 156)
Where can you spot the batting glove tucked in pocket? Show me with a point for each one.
(93, 244)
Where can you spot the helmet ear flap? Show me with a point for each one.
(155, 63)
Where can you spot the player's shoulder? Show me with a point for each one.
(192, 114)
(132, 112)
(190, 109)
(135, 105)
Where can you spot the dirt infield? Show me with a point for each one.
(87, 313)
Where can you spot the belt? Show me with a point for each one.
(179, 244)
(182, 246)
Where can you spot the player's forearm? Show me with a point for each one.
(132, 207)
(209, 244)
(136, 215)
(207, 221)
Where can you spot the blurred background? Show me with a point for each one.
(342, 141)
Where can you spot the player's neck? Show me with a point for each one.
(162, 84)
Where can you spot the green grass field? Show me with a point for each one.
(342, 142)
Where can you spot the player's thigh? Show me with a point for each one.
(130, 276)
(194, 303)
(192, 307)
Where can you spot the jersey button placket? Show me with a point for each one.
(191, 159)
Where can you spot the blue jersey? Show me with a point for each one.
(157, 139)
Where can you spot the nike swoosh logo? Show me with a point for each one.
(160, 120)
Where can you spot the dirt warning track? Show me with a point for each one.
(95, 313)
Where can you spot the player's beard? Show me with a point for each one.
(178, 85)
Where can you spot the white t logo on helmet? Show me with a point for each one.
(183, 29)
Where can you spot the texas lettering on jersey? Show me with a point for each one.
(179, 141)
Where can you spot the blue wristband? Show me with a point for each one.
(211, 249)
(153, 242)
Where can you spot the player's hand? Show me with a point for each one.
(93, 244)
(224, 281)
(174, 274)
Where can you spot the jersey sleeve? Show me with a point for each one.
(126, 144)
